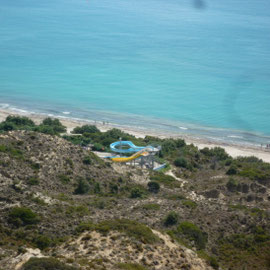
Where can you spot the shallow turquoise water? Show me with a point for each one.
(143, 62)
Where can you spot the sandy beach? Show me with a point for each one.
(234, 150)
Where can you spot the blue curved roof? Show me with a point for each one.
(132, 147)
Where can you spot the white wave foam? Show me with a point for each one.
(66, 112)
(19, 110)
(235, 136)
(184, 128)
(4, 105)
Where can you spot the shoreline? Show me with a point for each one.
(232, 149)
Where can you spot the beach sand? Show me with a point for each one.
(234, 150)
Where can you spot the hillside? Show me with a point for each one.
(61, 201)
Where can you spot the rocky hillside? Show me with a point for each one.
(64, 205)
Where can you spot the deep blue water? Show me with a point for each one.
(144, 62)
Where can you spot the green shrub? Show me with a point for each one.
(180, 143)
(232, 185)
(176, 197)
(131, 228)
(77, 140)
(42, 242)
(153, 187)
(16, 122)
(168, 146)
(232, 170)
(98, 147)
(130, 266)
(63, 178)
(55, 124)
(181, 162)
(21, 216)
(16, 153)
(136, 192)
(85, 226)
(46, 264)
(193, 233)
(85, 129)
(167, 180)
(171, 219)
(189, 204)
(217, 152)
(35, 166)
(228, 161)
(151, 206)
(87, 160)
(79, 210)
(4, 126)
(50, 126)
(33, 181)
(45, 129)
(20, 120)
(212, 261)
(83, 187)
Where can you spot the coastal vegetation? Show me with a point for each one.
(47, 126)
(54, 191)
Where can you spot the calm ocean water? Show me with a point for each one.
(191, 66)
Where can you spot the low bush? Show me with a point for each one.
(167, 180)
(193, 233)
(83, 187)
(16, 122)
(98, 147)
(63, 178)
(16, 153)
(232, 185)
(33, 181)
(190, 204)
(171, 219)
(46, 264)
(77, 139)
(55, 124)
(130, 266)
(21, 216)
(130, 227)
(137, 192)
(87, 160)
(181, 162)
(151, 206)
(153, 187)
(217, 152)
(232, 170)
(42, 242)
(85, 129)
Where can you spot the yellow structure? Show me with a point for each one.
(134, 156)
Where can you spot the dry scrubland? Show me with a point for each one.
(65, 208)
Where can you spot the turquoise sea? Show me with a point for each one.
(199, 67)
